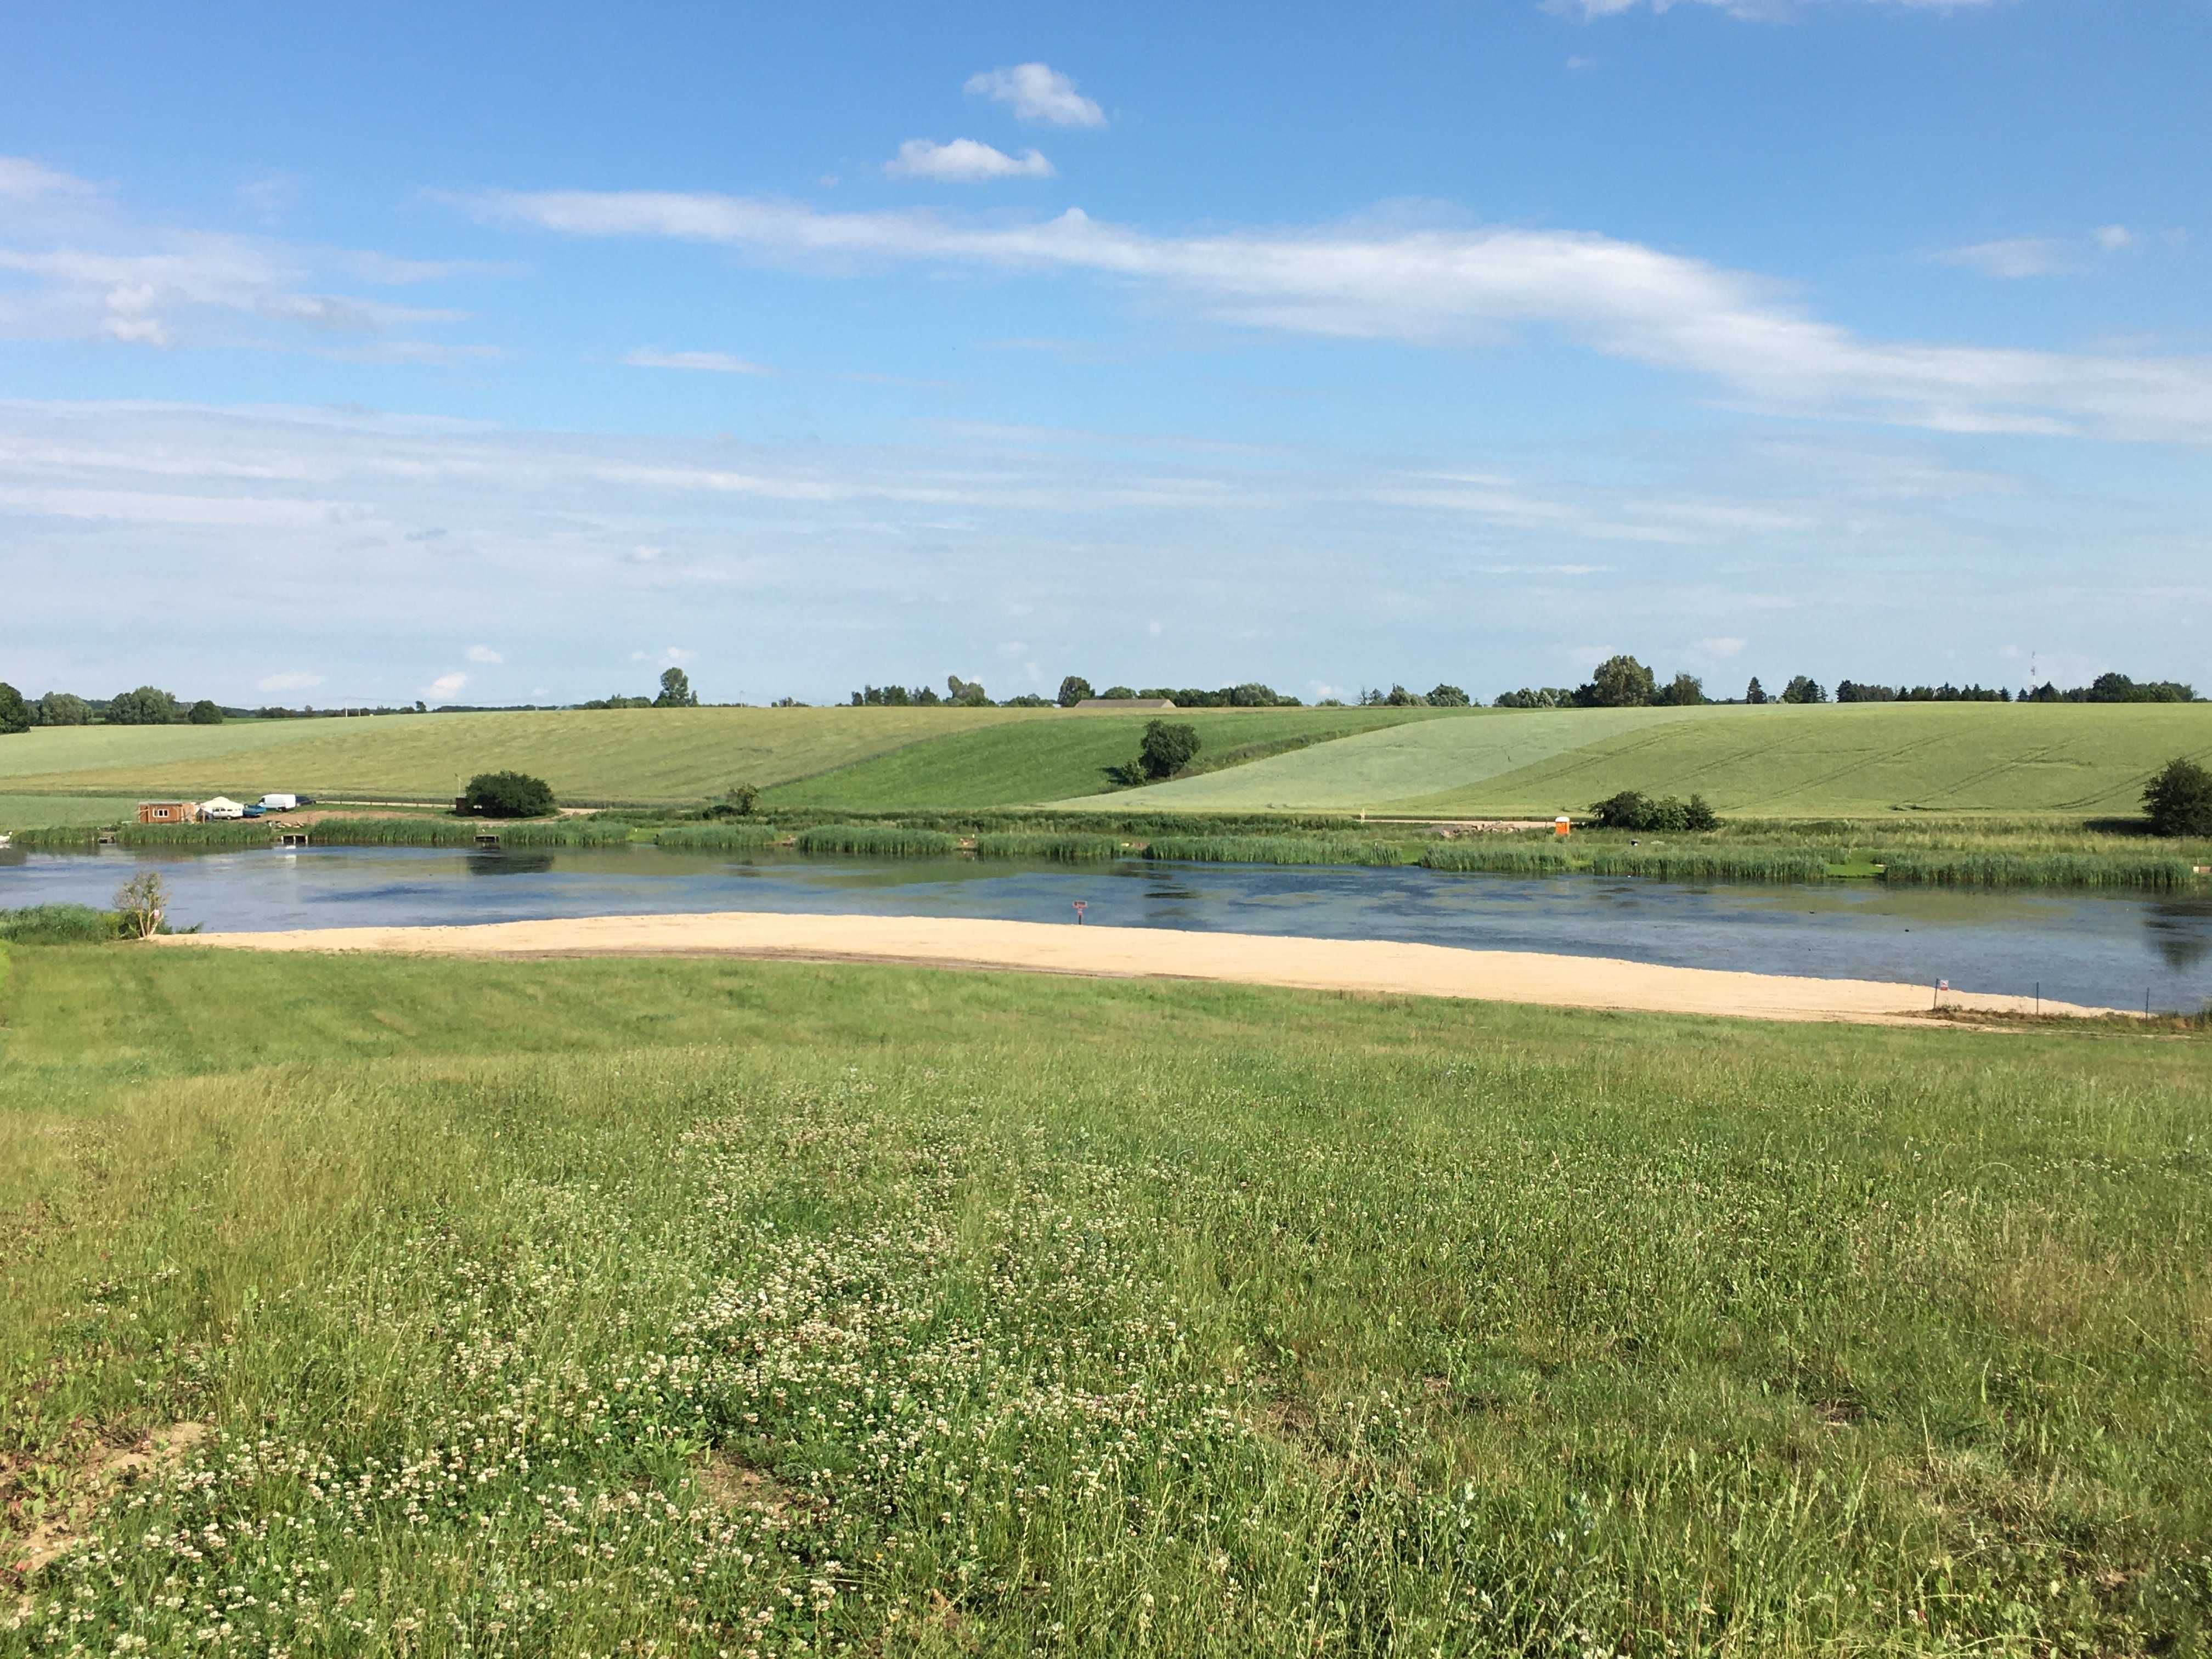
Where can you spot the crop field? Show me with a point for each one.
(405, 1306)
(1856, 760)
(641, 755)
(52, 811)
(1067, 756)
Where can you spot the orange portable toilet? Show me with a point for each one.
(1562, 826)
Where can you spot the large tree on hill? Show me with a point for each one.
(1620, 683)
(508, 795)
(1073, 689)
(147, 706)
(1167, 749)
(676, 690)
(1804, 688)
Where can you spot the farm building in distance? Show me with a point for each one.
(1121, 705)
(168, 812)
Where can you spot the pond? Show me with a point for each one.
(2116, 950)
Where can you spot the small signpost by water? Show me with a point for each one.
(1081, 905)
(1941, 986)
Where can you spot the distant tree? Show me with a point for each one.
(1449, 697)
(148, 706)
(925, 696)
(1853, 691)
(1118, 693)
(2179, 798)
(1167, 749)
(60, 708)
(1535, 696)
(143, 901)
(1253, 694)
(204, 712)
(1073, 689)
(15, 712)
(1632, 809)
(1399, 697)
(1804, 688)
(1619, 683)
(1683, 691)
(508, 795)
(1027, 700)
(1754, 693)
(966, 694)
(676, 690)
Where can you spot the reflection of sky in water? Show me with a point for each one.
(2083, 947)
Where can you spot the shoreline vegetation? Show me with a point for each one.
(2026, 854)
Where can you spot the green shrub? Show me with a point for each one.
(204, 712)
(1167, 748)
(15, 712)
(1632, 809)
(508, 795)
(2179, 800)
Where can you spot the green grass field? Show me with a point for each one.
(1069, 755)
(696, 1308)
(629, 756)
(50, 812)
(1858, 760)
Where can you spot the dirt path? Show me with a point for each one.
(1363, 965)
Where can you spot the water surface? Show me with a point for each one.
(2112, 949)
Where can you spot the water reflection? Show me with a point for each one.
(2182, 930)
(509, 864)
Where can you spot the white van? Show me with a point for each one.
(279, 803)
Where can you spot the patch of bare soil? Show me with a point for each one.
(45, 1505)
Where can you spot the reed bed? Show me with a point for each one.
(878, 841)
(2039, 870)
(1278, 849)
(1755, 864)
(1063, 850)
(344, 832)
(717, 837)
(1498, 856)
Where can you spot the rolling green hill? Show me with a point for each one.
(1040, 760)
(642, 755)
(1854, 760)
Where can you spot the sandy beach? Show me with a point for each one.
(1374, 967)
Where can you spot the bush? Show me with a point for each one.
(1449, 697)
(15, 712)
(60, 708)
(1632, 809)
(2179, 800)
(508, 795)
(204, 712)
(738, 803)
(1169, 746)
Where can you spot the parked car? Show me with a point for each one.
(254, 812)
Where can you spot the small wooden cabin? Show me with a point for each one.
(169, 811)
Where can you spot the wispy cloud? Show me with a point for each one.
(1037, 92)
(485, 654)
(22, 180)
(444, 686)
(1460, 288)
(2014, 257)
(964, 161)
(711, 362)
(290, 682)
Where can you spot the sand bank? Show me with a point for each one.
(1318, 964)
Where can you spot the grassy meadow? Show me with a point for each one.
(703, 1307)
(1850, 760)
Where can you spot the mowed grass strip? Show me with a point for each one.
(707, 1305)
(1064, 756)
(59, 811)
(644, 756)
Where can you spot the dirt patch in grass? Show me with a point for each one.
(46, 1505)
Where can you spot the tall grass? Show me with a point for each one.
(1756, 864)
(1961, 869)
(347, 832)
(724, 836)
(59, 924)
(878, 841)
(1498, 854)
(1065, 849)
(1278, 849)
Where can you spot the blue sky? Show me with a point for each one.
(495, 354)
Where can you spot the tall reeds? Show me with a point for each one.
(878, 841)
(716, 837)
(1064, 850)
(1278, 849)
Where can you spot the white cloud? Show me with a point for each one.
(963, 160)
(2113, 238)
(1036, 92)
(2015, 257)
(292, 682)
(669, 656)
(22, 180)
(711, 362)
(446, 685)
(269, 195)
(1461, 287)
(1720, 649)
(483, 654)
